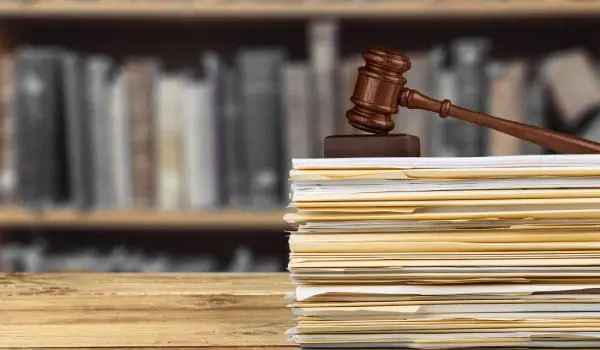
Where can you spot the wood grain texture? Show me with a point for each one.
(10, 217)
(215, 8)
(216, 311)
(391, 145)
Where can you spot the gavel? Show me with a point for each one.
(380, 90)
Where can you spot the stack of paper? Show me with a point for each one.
(441, 253)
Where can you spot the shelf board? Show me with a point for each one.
(144, 219)
(284, 9)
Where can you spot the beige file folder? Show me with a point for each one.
(445, 253)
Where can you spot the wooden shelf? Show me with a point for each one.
(281, 9)
(140, 219)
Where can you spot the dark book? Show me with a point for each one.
(215, 73)
(99, 72)
(79, 131)
(469, 57)
(237, 163)
(41, 146)
(261, 110)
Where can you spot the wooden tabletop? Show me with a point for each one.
(152, 311)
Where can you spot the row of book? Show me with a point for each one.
(560, 91)
(40, 257)
(96, 132)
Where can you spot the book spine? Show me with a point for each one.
(441, 82)
(215, 70)
(198, 144)
(120, 155)
(36, 114)
(191, 125)
(506, 100)
(78, 132)
(98, 71)
(261, 110)
(206, 141)
(469, 56)
(296, 128)
(323, 46)
(535, 108)
(296, 104)
(8, 178)
(141, 75)
(169, 137)
(237, 162)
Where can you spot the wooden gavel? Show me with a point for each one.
(380, 89)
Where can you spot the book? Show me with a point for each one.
(507, 89)
(79, 132)
(261, 107)
(324, 59)
(469, 57)
(40, 128)
(141, 80)
(100, 70)
(169, 136)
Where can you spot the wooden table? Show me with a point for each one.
(152, 311)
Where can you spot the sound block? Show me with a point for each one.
(354, 146)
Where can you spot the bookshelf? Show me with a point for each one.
(217, 219)
(280, 9)
(310, 31)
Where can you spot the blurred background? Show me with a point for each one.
(150, 136)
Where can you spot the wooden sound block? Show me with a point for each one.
(390, 145)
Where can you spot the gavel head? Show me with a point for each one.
(377, 89)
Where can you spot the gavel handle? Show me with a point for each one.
(559, 142)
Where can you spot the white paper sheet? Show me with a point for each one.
(450, 162)
(307, 292)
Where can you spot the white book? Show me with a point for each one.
(199, 145)
(169, 134)
(323, 55)
(119, 145)
(206, 176)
